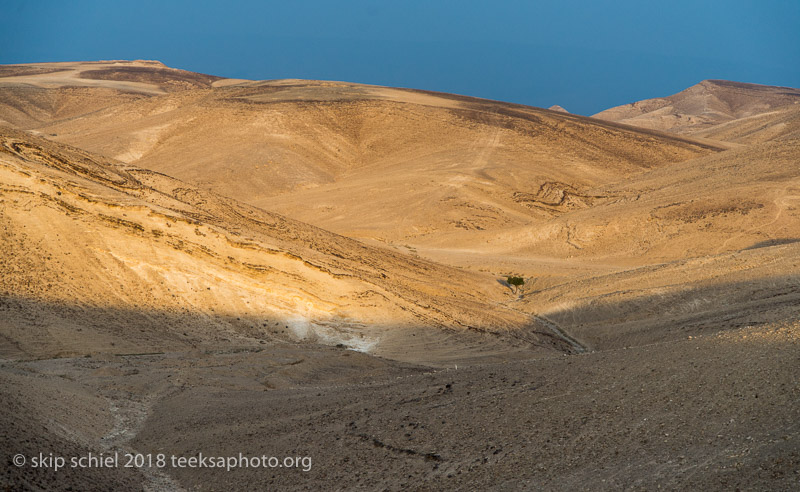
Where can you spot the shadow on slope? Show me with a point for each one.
(653, 315)
(38, 329)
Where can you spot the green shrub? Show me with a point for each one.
(515, 282)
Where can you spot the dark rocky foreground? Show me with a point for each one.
(718, 412)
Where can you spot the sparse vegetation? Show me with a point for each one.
(515, 283)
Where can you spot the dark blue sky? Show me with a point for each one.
(584, 55)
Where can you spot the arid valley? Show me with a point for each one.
(296, 268)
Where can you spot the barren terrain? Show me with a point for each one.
(192, 264)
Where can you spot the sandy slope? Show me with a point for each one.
(365, 161)
(83, 235)
(763, 127)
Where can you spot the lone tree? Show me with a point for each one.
(515, 282)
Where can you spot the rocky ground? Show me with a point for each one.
(710, 412)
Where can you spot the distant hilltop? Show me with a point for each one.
(703, 105)
(556, 107)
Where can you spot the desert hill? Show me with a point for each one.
(694, 247)
(701, 106)
(84, 237)
(710, 245)
(489, 187)
(763, 127)
(363, 161)
(721, 202)
(146, 76)
(35, 94)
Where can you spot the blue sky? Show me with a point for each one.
(583, 55)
